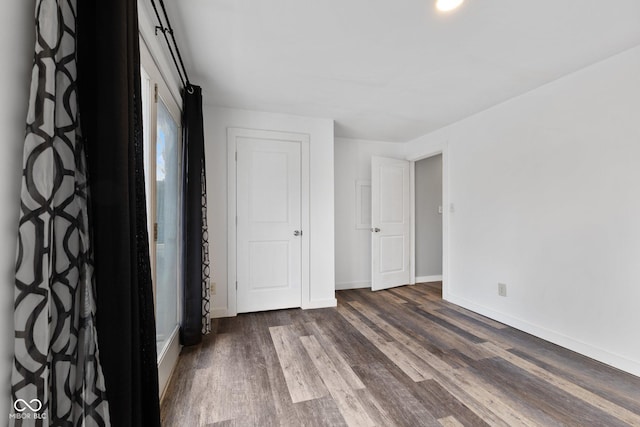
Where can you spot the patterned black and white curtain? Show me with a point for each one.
(57, 377)
(195, 314)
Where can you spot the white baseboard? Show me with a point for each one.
(427, 279)
(219, 312)
(599, 354)
(352, 285)
(321, 303)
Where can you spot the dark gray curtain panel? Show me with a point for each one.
(111, 111)
(57, 377)
(196, 300)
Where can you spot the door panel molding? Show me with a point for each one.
(268, 208)
(391, 223)
(233, 135)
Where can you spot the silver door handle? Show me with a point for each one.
(375, 230)
(297, 233)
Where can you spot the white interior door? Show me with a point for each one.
(390, 223)
(269, 235)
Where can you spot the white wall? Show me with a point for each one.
(428, 220)
(217, 120)
(545, 190)
(16, 48)
(353, 246)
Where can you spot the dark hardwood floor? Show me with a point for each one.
(397, 357)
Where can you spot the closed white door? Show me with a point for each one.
(390, 223)
(269, 235)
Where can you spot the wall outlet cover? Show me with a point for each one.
(502, 289)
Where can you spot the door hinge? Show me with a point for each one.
(155, 232)
(155, 93)
(236, 285)
(236, 156)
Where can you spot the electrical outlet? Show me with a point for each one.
(502, 289)
(212, 288)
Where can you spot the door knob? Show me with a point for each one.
(297, 233)
(375, 230)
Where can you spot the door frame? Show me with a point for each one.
(447, 210)
(233, 134)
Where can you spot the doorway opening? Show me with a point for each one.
(428, 219)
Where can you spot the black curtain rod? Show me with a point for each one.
(182, 71)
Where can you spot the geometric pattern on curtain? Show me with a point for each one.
(206, 272)
(56, 377)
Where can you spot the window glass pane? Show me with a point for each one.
(167, 220)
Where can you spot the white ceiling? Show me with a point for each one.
(391, 70)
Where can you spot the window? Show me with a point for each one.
(167, 225)
(163, 169)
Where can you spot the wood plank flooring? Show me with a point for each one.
(401, 357)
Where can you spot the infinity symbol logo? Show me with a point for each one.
(21, 405)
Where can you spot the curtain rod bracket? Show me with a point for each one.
(171, 41)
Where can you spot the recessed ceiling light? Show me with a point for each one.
(447, 5)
